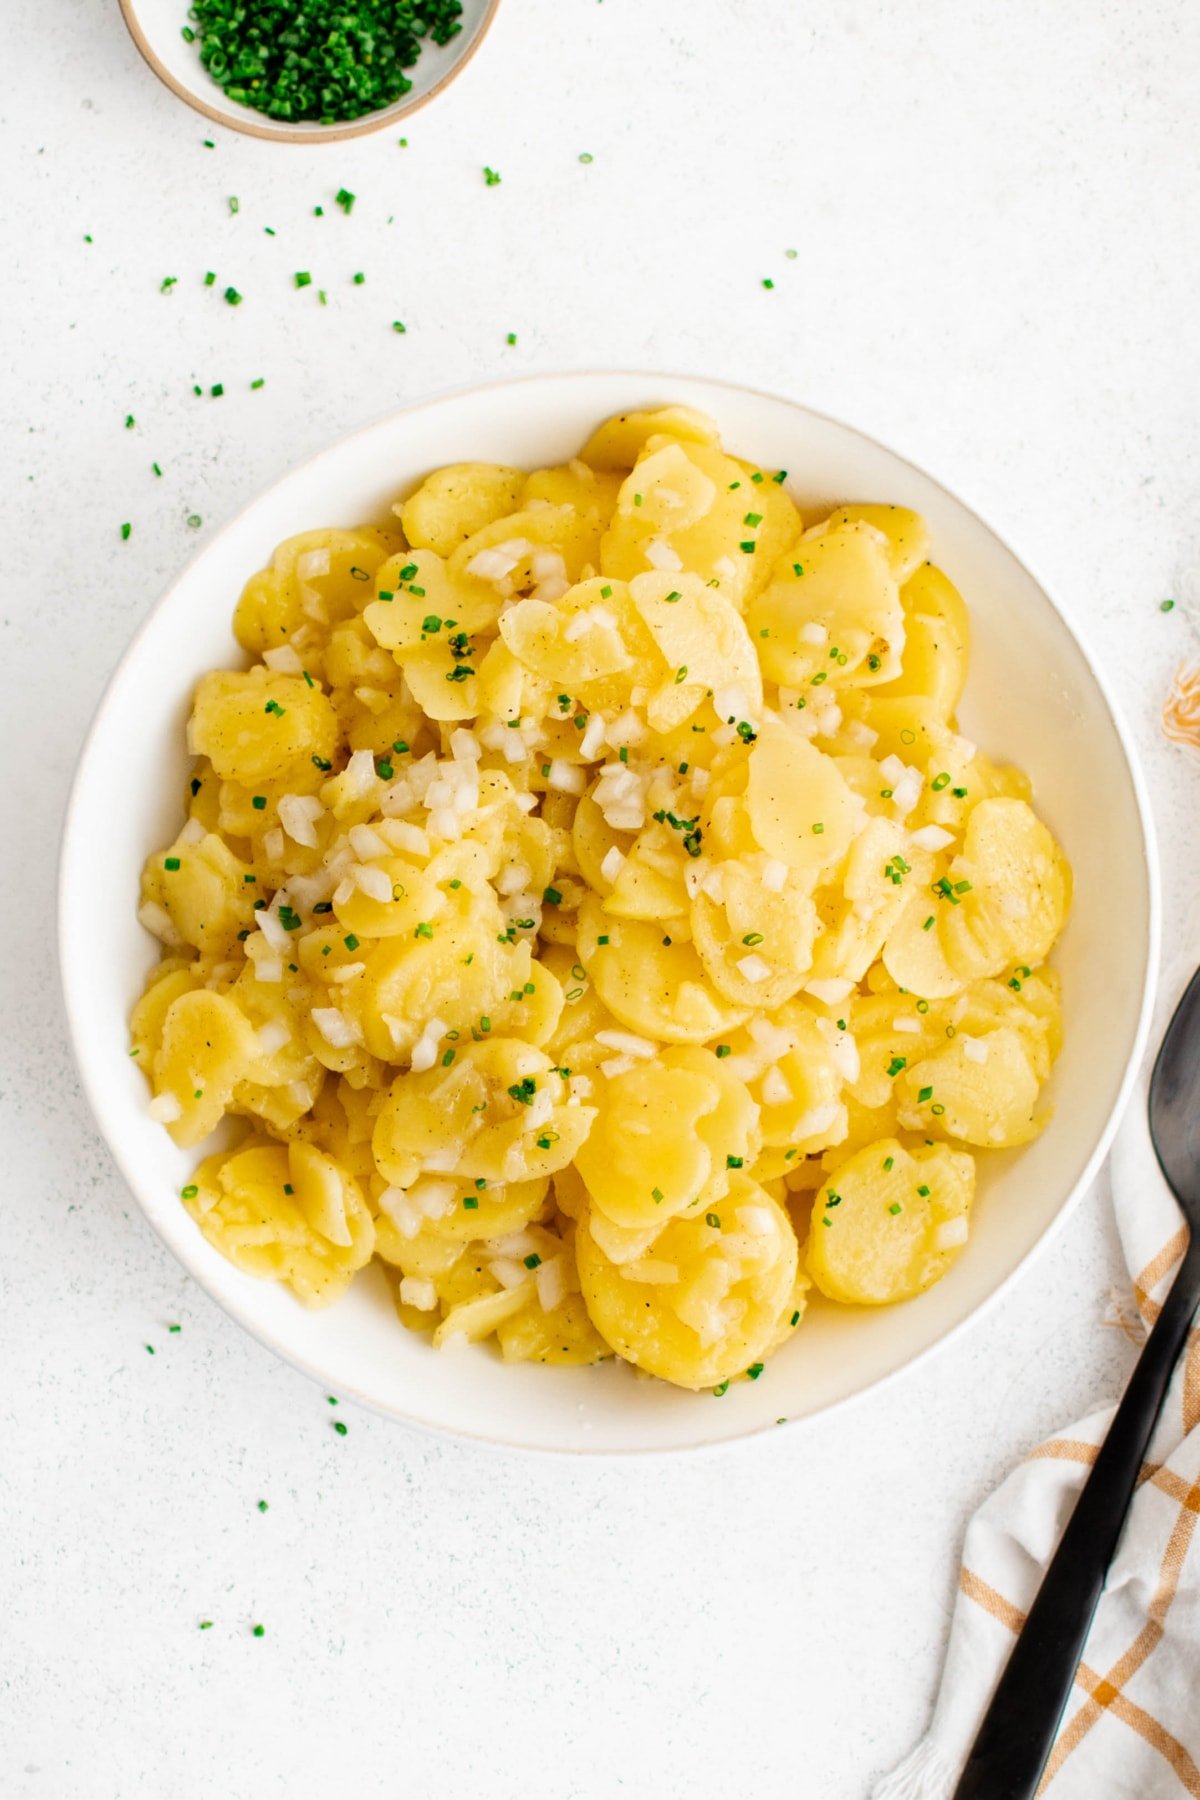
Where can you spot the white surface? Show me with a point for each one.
(997, 271)
(1048, 708)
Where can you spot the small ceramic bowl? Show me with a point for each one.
(1032, 697)
(156, 27)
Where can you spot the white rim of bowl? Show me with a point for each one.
(291, 134)
(308, 1367)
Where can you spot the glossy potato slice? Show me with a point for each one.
(657, 990)
(207, 1047)
(619, 441)
(799, 807)
(906, 533)
(846, 590)
(455, 502)
(316, 578)
(756, 945)
(992, 1103)
(258, 726)
(876, 1236)
(709, 1300)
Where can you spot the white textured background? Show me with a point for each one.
(994, 210)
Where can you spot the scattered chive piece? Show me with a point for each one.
(926, 1093)
(397, 326)
(234, 204)
(149, 1349)
(206, 1625)
(351, 942)
(656, 1194)
(940, 781)
(895, 1207)
(552, 897)
(217, 390)
(210, 280)
(171, 863)
(585, 156)
(491, 177)
(1166, 606)
(130, 421)
(195, 521)
(924, 1192)
(303, 278)
(190, 1191)
(174, 1327)
(233, 297)
(359, 279)
(337, 1423)
(724, 1049)
(713, 1219)
(262, 1506)
(532, 1260)
(889, 1162)
(897, 1063)
(767, 282)
(258, 802)
(928, 925)
(754, 1371)
(345, 199)
(512, 337)
(259, 1631)
(734, 1162)
(125, 532)
(753, 937)
(721, 1388)
(168, 282)
(156, 468)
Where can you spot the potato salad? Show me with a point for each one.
(586, 905)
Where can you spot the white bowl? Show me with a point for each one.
(1032, 696)
(156, 27)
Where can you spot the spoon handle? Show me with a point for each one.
(1019, 1727)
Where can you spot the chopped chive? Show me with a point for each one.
(233, 297)
(895, 1207)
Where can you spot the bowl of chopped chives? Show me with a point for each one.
(307, 71)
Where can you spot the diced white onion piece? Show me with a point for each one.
(283, 660)
(759, 1221)
(296, 821)
(724, 567)
(660, 555)
(909, 1024)
(693, 877)
(268, 968)
(592, 741)
(551, 1282)
(273, 845)
(951, 1233)
(974, 1049)
(418, 1293)
(404, 836)
(165, 1109)
(891, 768)
(192, 833)
(812, 1124)
(612, 862)
(932, 837)
(514, 747)
(491, 565)
(774, 875)
(907, 790)
(376, 884)
(861, 735)
(567, 778)
(812, 633)
(829, 992)
(843, 1053)
(273, 1035)
(366, 843)
(508, 1272)
(348, 972)
(276, 934)
(465, 746)
(617, 1065)
(602, 616)
(731, 703)
(335, 1027)
(776, 1040)
(753, 968)
(545, 564)
(580, 1086)
(577, 628)
(653, 1269)
(358, 777)
(714, 883)
(312, 562)
(775, 1089)
(626, 1043)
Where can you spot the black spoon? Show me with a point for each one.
(1019, 1727)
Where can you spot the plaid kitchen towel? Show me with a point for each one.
(1131, 1730)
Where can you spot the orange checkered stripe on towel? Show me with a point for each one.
(1105, 1693)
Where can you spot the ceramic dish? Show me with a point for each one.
(156, 27)
(1033, 694)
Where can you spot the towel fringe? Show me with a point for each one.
(925, 1774)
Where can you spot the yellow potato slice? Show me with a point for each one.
(708, 1302)
(799, 807)
(992, 1102)
(888, 1223)
(619, 442)
(207, 1047)
(657, 990)
(259, 726)
(836, 580)
(455, 502)
(906, 532)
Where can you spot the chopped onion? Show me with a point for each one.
(932, 837)
(298, 819)
(366, 843)
(551, 1282)
(829, 992)
(348, 972)
(567, 778)
(312, 562)
(775, 1089)
(627, 1043)
(907, 790)
(812, 1124)
(508, 1272)
(273, 1035)
(418, 1293)
(612, 862)
(909, 1024)
(268, 968)
(592, 741)
(276, 934)
(660, 555)
(283, 660)
(164, 1109)
(753, 968)
(358, 777)
(812, 633)
(759, 1221)
(192, 833)
(974, 1049)
(617, 1065)
(951, 1233)
(376, 884)
(335, 1027)
(774, 875)
(404, 836)
(273, 845)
